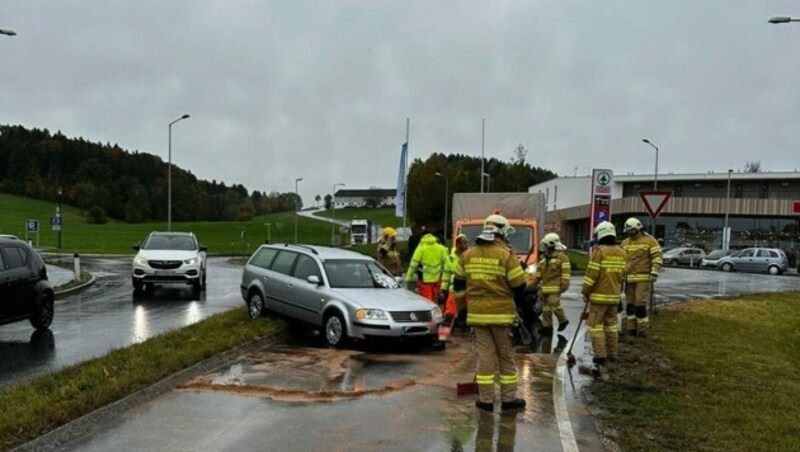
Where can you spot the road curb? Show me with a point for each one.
(98, 419)
(64, 292)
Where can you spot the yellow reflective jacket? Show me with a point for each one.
(644, 257)
(490, 271)
(450, 269)
(433, 258)
(554, 273)
(389, 257)
(603, 280)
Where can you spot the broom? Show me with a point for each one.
(584, 315)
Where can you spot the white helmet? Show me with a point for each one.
(495, 225)
(632, 224)
(605, 229)
(552, 240)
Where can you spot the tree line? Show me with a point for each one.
(106, 180)
(426, 190)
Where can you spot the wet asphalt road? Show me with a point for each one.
(106, 315)
(299, 396)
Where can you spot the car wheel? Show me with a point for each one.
(137, 284)
(255, 304)
(672, 262)
(335, 330)
(774, 270)
(726, 267)
(197, 286)
(43, 316)
(203, 283)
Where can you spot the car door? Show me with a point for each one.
(744, 260)
(19, 300)
(5, 290)
(280, 289)
(308, 295)
(761, 260)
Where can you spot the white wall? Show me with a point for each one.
(566, 192)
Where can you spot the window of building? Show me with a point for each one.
(738, 191)
(763, 192)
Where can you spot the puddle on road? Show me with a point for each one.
(325, 375)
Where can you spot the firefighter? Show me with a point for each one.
(387, 251)
(446, 297)
(644, 262)
(601, 287)
(490, 277)
(432, 258)
(553, 272)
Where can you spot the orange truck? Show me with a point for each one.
(524, 211)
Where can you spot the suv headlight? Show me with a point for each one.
(140, 260)
(370, 314)
(191, 261)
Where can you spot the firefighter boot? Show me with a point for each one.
(597, 368)
(485, 406)
(563, 325)
(516, 404)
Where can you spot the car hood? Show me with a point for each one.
(386, 299)
(168, 255)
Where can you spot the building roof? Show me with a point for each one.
(366, 193)
(711, 175)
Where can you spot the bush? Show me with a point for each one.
(96, 215)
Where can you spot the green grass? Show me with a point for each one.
(383, 216)
(223, 237)
(577, 260)
(33, 408)
(715, 375)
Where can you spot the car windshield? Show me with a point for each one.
(357, 274)
(520, 240)
(170, 242)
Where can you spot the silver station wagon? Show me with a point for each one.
(346, 294)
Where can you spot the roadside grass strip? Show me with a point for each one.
(40, 405)
(578, 261)
(720, 374)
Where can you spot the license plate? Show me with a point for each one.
(164, 272)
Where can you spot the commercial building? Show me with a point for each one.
(759, 207)
(370, 197)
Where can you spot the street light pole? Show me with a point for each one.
(7, 32)
(782, 20)
(726, 238)
(296, 207)
(169, 173)
(58, 215)
(333, 213)
(446, 199)
(655, 182)
(488, 181)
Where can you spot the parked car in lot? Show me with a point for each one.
(770, 260)
(684, 256)
(169, 258)
(711, 258)
(346, 294)
(25, 292)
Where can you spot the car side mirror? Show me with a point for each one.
(203, 248)
(314, 279)
(136, 247)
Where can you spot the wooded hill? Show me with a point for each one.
(104, 179)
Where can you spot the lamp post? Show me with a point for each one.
(296, 181)
(169, 174)
(726, 238)
(655, 182)
(7, 32)
(60, 191)
(782, 20)
(333, 213)
(446, 199)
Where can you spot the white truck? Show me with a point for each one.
(360, 232)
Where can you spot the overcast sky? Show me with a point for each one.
(321, 89)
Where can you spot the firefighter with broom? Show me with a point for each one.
(489, 275)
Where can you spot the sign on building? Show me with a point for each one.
(600, 200)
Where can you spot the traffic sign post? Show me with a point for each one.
(32, 227)
(600, 198)
(655, 201)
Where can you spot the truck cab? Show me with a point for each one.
(360, 232)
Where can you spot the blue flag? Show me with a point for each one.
(400, 197)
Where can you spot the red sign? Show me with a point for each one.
(600, 199)
(654, 201)
(796, 207)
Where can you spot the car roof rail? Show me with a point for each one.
(302, 246)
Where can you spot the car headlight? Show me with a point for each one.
(191, 261)
(370, 314)
(437, 314)
(140, 260)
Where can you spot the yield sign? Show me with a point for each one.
(654, 201)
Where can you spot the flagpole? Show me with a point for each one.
(405, 183)
(483, 136)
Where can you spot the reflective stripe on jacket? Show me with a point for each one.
(644, 257)
(449, 269)
(490, 271)
(554, 273)
(603, 280)
(433, 258)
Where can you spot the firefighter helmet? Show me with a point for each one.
(552, 240)
(389, 231)
(605, 229)
(632, 224)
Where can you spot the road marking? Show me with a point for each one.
(565, 431)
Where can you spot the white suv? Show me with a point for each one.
(168, 258)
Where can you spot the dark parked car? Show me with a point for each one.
(770, 260)
(25, 292)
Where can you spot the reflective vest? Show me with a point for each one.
(450, 269)
(490, 271)
(604, 273)
(554, 273)
(431, 256)
(644, 257)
